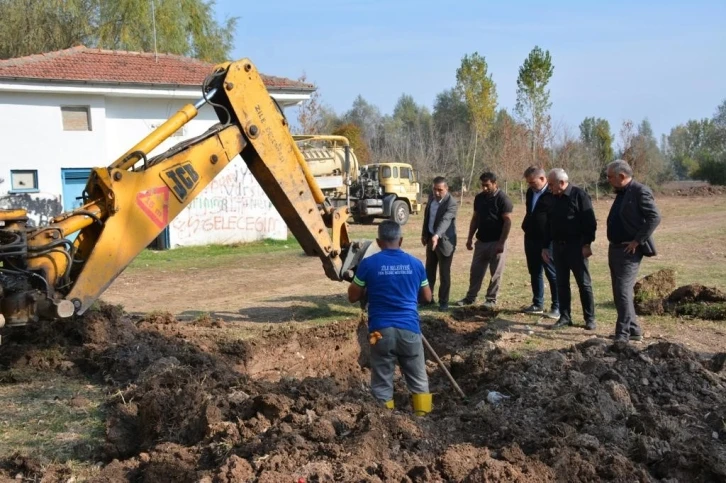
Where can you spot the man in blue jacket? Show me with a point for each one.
(394, 282)
(632, 220)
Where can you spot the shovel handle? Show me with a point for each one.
(443, 367)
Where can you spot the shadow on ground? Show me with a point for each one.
(284, 309)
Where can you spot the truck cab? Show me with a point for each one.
(386, 190)
(382, 190)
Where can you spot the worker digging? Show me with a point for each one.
(393, 282)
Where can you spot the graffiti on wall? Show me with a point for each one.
(232, 208)
(41, 207)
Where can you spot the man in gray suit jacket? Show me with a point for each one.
(439, 237)
(632, 220)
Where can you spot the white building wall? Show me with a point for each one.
(232, 209)
(32, 135)
(134, 119)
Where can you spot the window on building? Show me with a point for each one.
(25, 180)
(76, 118)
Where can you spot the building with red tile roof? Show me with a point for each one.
(96, 66)
(63, 113)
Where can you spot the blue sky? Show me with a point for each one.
(618, 60)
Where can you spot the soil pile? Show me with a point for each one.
(702, 191)
(656, 294)
(295, 406)
(691, 188)
(651, 291)
(695, 300)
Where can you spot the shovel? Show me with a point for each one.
(443, 368)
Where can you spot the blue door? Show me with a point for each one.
(74, 182)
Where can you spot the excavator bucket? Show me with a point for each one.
(357, 251)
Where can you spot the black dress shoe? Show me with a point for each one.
(590, 325)
(561, 322)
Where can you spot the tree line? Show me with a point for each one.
(467, 132)
(183, 27)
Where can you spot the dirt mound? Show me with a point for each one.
(695, 300)
(656, 294)
(295, 406)
(691, 188)
(702, 191)
(696, 293)
(652, 290)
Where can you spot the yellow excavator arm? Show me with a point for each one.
(128, 204)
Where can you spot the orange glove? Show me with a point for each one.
(374, 337)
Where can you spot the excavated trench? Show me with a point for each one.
(294, 406)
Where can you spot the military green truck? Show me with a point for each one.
(382, 190)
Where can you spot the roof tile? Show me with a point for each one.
(82, 64)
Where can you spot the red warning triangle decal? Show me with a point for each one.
(155, 203)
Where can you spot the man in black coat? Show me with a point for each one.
(539, 202)
(571, 227)
(632, 220)
(438, 235)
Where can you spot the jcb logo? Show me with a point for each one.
(181, 179)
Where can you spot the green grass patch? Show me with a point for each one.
(207, 256)
(58, 419)
(703, 310)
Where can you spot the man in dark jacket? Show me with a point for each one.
(632, 220)
(438, 235)
(571, 229)
(539, 202)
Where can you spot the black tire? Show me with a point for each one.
(399, 212)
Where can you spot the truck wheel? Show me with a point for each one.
(399, 212)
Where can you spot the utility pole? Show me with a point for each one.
(153, 21)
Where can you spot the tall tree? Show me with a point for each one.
(450, 112)
(507, 144)
(712, 162)
(311, 113)
(533, 97)
(597, 149)
(355, 136)
(411, 115)
(364, 115)
(687, 144)
(183, 27)
(640, 150)
(476, 86)
(37, 26)
(719, 123)
(570, 153)
(720, 117)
